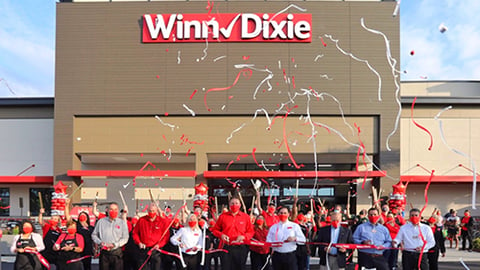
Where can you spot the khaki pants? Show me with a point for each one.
(332, 263)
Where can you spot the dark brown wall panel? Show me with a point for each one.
(103, 68)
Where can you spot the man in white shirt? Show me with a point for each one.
(417, 239)
(284, 235)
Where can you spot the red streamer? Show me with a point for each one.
(247, 73)
(362, 146)
(193, 94)
(421, 127)
(424, 206)
(254, 158)
(323, 42)
(285, 138)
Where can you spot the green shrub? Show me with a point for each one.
(476, 243)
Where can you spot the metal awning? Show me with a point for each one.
(26, 179)
(437, 178)
(130, 173)
(292, 174)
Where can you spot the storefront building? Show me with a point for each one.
(279, 92)
(26, 155)
(302, 101)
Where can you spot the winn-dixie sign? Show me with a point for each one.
(227, 27)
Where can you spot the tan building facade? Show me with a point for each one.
(449, 111)
(135, 116)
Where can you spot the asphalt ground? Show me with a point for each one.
(452, 261)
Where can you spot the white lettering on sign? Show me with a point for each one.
(230, 27)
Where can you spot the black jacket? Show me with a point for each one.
(344, 237)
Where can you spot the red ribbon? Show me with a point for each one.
(78, 259)
(42, 260)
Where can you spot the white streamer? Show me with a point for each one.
(202, 262)
(189, 110)
(464, 265)
(285, 9)
(397, 7)
(181, 257)
(233, 132)
(326, 254)
(178, 58)
(325, 76)
(205, 50)
(165, 124)
(220, 57)
(267, 79)
(392, 62)
(244, 124)
(472, 162)
(266, 263)
(317, 57)
(360, 60)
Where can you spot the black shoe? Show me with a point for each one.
(469, 250)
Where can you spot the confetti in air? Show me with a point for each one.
(442, 28)
(247, 73)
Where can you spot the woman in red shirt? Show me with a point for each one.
(391, 255)
(69, 246)
(259, 253)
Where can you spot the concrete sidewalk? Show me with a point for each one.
(453, 255)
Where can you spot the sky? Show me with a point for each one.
(27, 43)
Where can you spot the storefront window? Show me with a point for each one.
(322, 191)
(35, 201)
(4, 202)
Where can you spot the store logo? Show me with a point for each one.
(227, 27)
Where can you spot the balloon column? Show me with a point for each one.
(201, 197)
(398, 199)
(58, 200)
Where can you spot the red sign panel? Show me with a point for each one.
(227, 27)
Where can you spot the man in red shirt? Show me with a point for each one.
(151, 232)
(234, 230)
(467, 224)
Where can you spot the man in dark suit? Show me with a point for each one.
(334, 234)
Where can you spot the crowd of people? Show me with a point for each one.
(277, 237)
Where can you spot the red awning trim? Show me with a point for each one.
(292, 174)
(437, 178)
(26, 179)
(106, 173)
